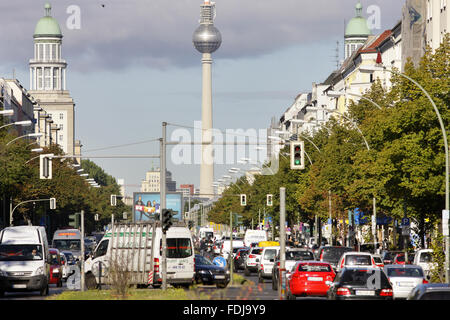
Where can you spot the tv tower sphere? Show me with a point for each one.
(207, 38)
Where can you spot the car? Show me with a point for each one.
(400, 258)
(331, 254)
(404, 278)
(309, 278)
(226, 244)
(55, 267)
(355, 258)
(207, 272)
(388, 256)
(265, 266)
(292, 256)
(360, 283)
(239, 258)
(378, 260)
(424, 258)
(430, 291)
(65, 266)
(70, 258)
(253, 260)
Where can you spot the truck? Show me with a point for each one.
(68, 240)
(24, 260)
(135, 249)
(206, 232)
(254, 236)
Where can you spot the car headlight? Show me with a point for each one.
(228, 272)
(55, 270)
(39, 271)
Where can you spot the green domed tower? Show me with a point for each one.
(356, 33)
(48, 84)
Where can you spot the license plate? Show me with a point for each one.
(219, 277)
(364, 293)
(19, 286)
(315, 279)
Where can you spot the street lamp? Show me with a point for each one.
(7, 113)
(29, 135)
(18, 123)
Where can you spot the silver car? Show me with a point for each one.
(404, 278)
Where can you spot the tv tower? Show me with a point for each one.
(207, 39)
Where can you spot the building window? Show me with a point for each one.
(39, 78)
(41, 51)
(61, 116)
(61, 127)
(47, 78)
(53, 51)
(60, 137)
(47, 52)
(56, 78)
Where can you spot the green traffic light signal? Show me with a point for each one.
(74, 220)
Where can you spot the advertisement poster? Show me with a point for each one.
(147, 204)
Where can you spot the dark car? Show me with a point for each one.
(207, 272)
(430, 291)
(239, 258)
(331, 254)
(388, 256)
(70, 258)
(360, 283)
(292, 257)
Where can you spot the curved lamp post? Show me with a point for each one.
(371, 69)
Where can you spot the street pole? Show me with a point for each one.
(82, 251)
(331, 219)
(282, 270)
(231, 248)
(374, 226)
(163, 203)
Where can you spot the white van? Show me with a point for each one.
(68, 240)
(136, 248)
(24, 259)
(266, 263)
(254, 236)
(226, 245)
(207, 233)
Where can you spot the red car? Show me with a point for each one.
(400, 258)
(309, 278)
(55, 267)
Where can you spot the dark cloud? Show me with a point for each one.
(158, 33)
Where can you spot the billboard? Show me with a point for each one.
(147, 204)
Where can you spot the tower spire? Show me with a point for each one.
(48, 9)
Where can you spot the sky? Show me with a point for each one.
(132, 65)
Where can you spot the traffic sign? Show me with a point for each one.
(406, 230)
(220, 261)
(405, 222)
(445, 218)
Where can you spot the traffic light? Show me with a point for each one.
(269, 200)
(74, 220)
(191, 224)
(237, 219)
(52, 203)
(45, 166)
(167, 220)
(297, 155)
(243, 200)
(113, 200)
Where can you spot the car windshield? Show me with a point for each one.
(405, 272)
(270, 254)
(401, 257)
(358, 260)
(54, 259)
(256, 251)
(299, 255)
(202, 261)
(20, 252)
(179, 248)
(67, 244)
(426, 257)
(443, 295)
(333, 254)
(377, 260)
(311, 267)
(364, 278)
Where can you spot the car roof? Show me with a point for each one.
(360, 267)
(356, 253)
(404, 266)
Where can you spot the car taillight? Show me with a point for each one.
(321, 256)
(343, 292)
(386, 293)
(424, 281)
(156, 265)
(278, 264)
(342, 264)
